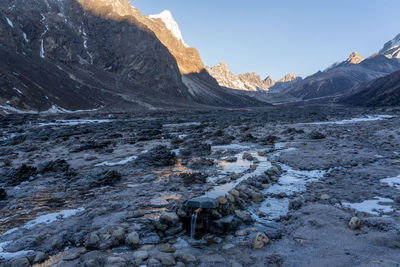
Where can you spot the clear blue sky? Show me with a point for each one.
(275, 37)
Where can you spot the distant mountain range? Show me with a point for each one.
(69, 55)
(249, 81)
(64, 55)
(383, 91)
(343, 77)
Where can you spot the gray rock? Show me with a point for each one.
(166, 259)
(22, 262)
(140, 256)
(260, 240)
(169, 218)
(202, 202)
(186, 257)
(132, 239)
(93, 259)
(355, 223)
(93, 242)
(40, 257)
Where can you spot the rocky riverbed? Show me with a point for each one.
(281, 186)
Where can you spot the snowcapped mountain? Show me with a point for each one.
(249, 81)
(90, 54)
(171, 24)
(343, 77)
(392, 48)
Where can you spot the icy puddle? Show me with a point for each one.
(72, 122)
(393, 182)
(354, 120)
(242, 168)
(12, 255)
(119, 163)
(291, 182)
(377, 206)
(46, 219)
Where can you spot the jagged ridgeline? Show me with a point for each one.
(85, 54)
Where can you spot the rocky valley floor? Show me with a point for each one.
(280, 186)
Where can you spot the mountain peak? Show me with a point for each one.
(392, 48)
(170, 23)
(288, 78)
(354, 58)
(109, 7)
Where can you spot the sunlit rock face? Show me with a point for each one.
(247, 82)
(392, 48)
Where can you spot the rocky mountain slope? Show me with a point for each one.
(280, 85)
(92, 54)
(249, 81)
(383, 91)
(343, 77)
(392, 48)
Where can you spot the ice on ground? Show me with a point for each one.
(10, 22)
(25, 37)
(238, 167)
(374, 206)
(18, 111)
(19, 91)
(293, 181)
(354, 120)
(230, 147)
(181, 124)
(118, 163)
(393, 182)
(12, 255)
(46, 219)
(72, 122)
(274, 208)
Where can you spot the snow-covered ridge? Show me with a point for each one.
(171, 24)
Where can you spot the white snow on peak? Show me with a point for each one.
(171, 24)
(10, 22)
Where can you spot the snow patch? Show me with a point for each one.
(374, 206)
(12, 255)
(171, 24)
(10, 22)
(25, 37)
(119, 163)
(72, 122)
(19, 91)
(354, 120)
(393, 182)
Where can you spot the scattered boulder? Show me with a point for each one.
(132, 239)
(93, 242)
(140, 256)
(193, 178)
(22, 262)
(40, 257)
(185, 257)
(169, 218)
(106, 178)
(260, 240)
(3, 194)
(355, 223)
(93, 259)
(58, 165)
(167, 248)
(167, 259)
(315, 135)
(160, 156)
(202, 202)
(16, 176)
